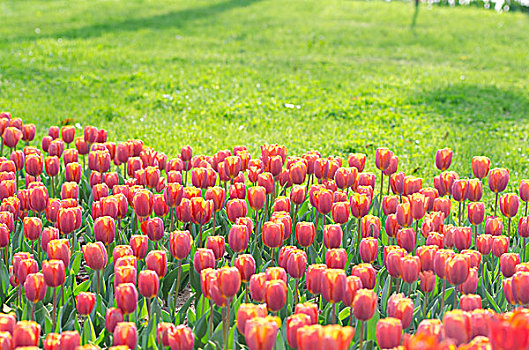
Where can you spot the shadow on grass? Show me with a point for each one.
(467, 103)
(172, 19)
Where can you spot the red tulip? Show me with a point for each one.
(156, 260)
(457, 326)
(368, 249)
(35, 287)
(364, 304)
(85, 303)
(388, 333)
(336, 258)
(54, 272)
(457, 269)
(443, 158)
(333, 285)
(498, 180)
(480, 166)
(367, 275)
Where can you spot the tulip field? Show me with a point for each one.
(113, 244)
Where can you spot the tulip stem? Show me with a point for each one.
(333, 311)
(359, 236)
(52, 186)
(171, 214)
(32, 311)
(381, 190)
(496, 203)
(296, 292)
(523, 251)
(425, 302)
(6, 258)
(246, 293)
(443, 297)
(200, 236)
(149, 308)
(211, 318)
(459, 215)
(273, 256)
(98, 281)
(509, 229)
(351, 316)
(178, 286)
(456, 297)
(409, 290)
(389, 186)
(361, 335)
(54, 308)
(213, 222)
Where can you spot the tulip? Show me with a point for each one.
(275, 294)
(52, 341)
(462, 237)
(475, 190)
(403, 215)
(85, 303)
(359, 204)
(235, 208)
(340, 212)
(389, 204)
(104, 229)
(257, 287)
(406, 239)
(471, 283)
(298, 194)
(26, 333)
(484, 244)
(364, 307)
(476, 214)
(500, 245)
(391, 226)
(139, 244)
(204, 258)
(261, 333)
(332, 236)
(333, 287)
(309, 309)
(443, 158)
(480, 166)
(126, 297)
(393, 261)
(305, 233)
(388, 333)
(368, 249)
(245, 263)
(336, 258)
(156, 260)
(410, 269)
(508, 262)
(470, 302)
(247, 312)
(59, 249)
(148, 284)
(294, 322)
(35, 289)
(370, 226)
(296, 265)
(457, 326)
(125, 333)
(314, 278)
(32, 228)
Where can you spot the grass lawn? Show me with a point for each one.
(338, 76)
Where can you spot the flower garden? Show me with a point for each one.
(112, 244)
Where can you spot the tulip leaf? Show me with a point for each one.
(491, 301)
(88, 330)
(280, 342)
(83, 287)
(371, 326)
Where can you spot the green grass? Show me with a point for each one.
(215, 74)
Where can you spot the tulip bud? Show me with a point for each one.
(32, 228)
(204, 258)
(148, 284)
(257, 287)
(359, 204)
(368, 249)
(85, 302)
(457, 326)
(126, 297)
(500, 245)
(336, 258)
(427, 281)
(388, 333)
(59, 249)
(125, 333)
(261, 333)
(480, 166)
(35, 287)
(498, 180)
(509, 204)
(470, 302)
(457, 269)
(180, 244)
(508, 262)
(314, 278)
(54, 273)
(296, 264)
(333, 285)
(443, 158)
(364, 304)
(406, 239)
(156, 260)
(275, 294)
(95, 255)
(245, 263)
